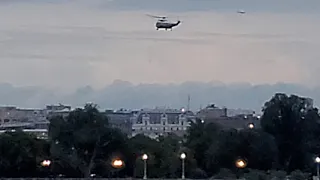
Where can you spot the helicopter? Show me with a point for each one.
(241, 12)
(163, 22)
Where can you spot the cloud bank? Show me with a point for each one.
(123, 94)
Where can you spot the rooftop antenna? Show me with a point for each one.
(188, 107)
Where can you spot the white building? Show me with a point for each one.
(159, 122)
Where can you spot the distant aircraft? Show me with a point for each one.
(163, 23)
(241, 12)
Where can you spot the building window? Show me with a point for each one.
(145, 122)
(164, 123)
(164, 129)
(6, 120)
(182, 123)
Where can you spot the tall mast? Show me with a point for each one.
(188, 107)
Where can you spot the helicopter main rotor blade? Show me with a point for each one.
(162, 17)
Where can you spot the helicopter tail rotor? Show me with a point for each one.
(179, 20)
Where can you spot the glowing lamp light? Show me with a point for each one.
(45, 163)
(145, 157)
(183, 156)
(251, 125)
(240, 163)
(117, 163)
(317, 160)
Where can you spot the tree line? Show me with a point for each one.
(83, 143)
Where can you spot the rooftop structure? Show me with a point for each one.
(237, 119)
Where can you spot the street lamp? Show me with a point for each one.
(183, 157)
(144, 158)
(317, 160)
(46, 166)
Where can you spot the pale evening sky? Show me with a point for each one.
(72, 43)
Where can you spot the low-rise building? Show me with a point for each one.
(160, 122)
(241, 120)
(34, 121)
(121, 119)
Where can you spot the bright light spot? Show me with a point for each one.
(183, 110)
(183, 156)
(46, 163)
(145, 157)
(240, 163)
(251, 125)
(117, 163)
(317, 159)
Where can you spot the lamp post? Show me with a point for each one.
(183, 157)
(144, 158)
(317, 160)
(118, 164)
(240, 164)
(46, 164)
